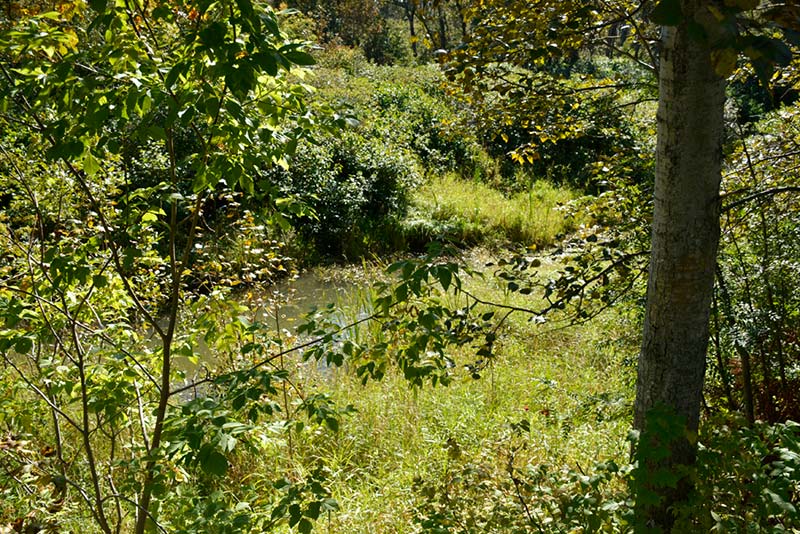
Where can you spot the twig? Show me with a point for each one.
(42, 394)
(277, 355)
(759, 194)
(520, 498)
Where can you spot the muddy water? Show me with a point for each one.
(287, 303)
(284, 306)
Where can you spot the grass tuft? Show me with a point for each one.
(470, 212)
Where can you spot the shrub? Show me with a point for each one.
(336, 57)
(757, 310)
(599, 131)
(748, 479)
(357, 189)
(421, 123)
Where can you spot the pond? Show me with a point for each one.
(287, 303)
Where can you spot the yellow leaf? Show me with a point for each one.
(724, 61)
(716, 12)
(72, 39)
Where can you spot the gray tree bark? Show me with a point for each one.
(685, 238)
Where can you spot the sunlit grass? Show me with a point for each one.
(479, 212)
(572, 385)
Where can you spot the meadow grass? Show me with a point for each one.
(571, 385)
(482, 213)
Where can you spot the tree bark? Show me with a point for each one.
(411, 14)
(685, 238)
(443, 41)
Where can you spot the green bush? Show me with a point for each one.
(748, 479)
(359, 185)
(348, 60)
(406, 107)
(599, 132)
(357, 189)
(756, 350)
(423, 124)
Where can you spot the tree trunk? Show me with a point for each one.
(443, 41)
(684, 246)
(462, 20)
(411, 14)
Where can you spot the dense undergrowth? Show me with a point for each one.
(485, 389)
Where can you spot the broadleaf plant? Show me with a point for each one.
(124, 121)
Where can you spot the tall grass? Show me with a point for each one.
(570, 385)
(472, 212)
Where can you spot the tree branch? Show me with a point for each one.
(760, 194)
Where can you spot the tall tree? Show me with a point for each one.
(409, 8)
(206, 86)
(700, 41)
(685, 237)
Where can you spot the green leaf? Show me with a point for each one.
(98, 5)
(313, 510)
(282, 484)
(401, 292)
(396, 266)
(214, 463)
(779, 52)
(724, 61)
(212, 105)
(784, 505)
(246, 183)
(271, 24)
(227, 442)
(150, 216)
(67, 150)
(246, 7)
(305, 526)
(240, 80)
(161, 12)
(445, 276)
(332, 423)
(23, 345)
(90, 164)
(667, 13)
(155, 133)
(329, 505)
(742, 5)
(764, 70)
(300, 58)
(213, 35)
(173, 74)
(295, 513)
(267, 62)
